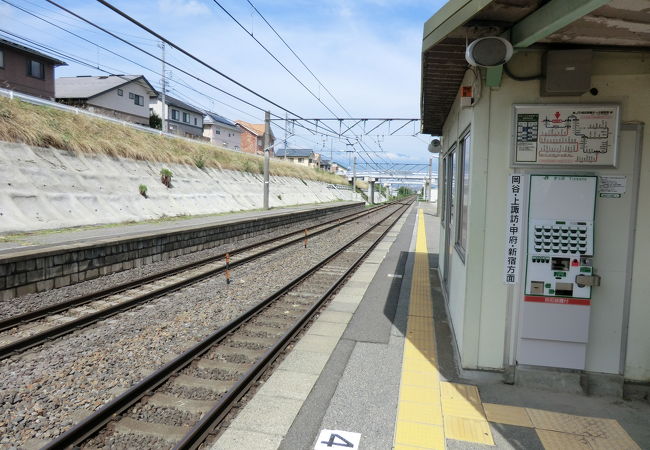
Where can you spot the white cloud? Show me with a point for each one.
(183, 8)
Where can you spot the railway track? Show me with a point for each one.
(180, 404)
(27, 330)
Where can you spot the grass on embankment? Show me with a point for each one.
(42, 126)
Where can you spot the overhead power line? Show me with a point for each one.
(272, 56)
(298, 57)
(157, 57)
(189, 55)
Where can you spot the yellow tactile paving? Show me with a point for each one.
(420, 379)
(419, 412)
(419, 435)
(509, 415)
(422, 408)
(457, 391)
(598, 433)
(463, 408)
(552, 440)
(419, 394)
(464, 429)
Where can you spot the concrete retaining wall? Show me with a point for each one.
(38, 270)
(48, 189)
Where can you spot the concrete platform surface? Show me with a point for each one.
(10, 243)
(387, 371)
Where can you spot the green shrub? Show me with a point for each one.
(166, 177)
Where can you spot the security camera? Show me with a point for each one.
(434, 146)
(490, 51)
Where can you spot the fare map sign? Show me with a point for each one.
(565, 135)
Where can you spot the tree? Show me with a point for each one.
(403, 191)
(155, 121)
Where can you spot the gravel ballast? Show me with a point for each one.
(49, 388)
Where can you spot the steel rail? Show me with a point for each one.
(210, 420)
(65, 328)
(10, 322)
(94, 422)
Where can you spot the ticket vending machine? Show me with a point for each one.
(554, 326)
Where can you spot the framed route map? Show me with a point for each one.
(565, 135)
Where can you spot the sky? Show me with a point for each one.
(364, 52)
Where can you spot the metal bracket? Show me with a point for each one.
(587, 280)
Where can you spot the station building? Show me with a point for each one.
(544, 187)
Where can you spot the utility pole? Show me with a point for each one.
(286, 130)
(428, 197)
(354, 175)
(267, 157)
(164, 88)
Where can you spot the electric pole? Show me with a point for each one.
(354, 175)
(267, 156)
(286, 129)
(428, 196)
(164, 89)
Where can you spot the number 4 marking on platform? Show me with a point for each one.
(336, 439)
(332, 442)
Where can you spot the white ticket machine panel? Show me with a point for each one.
(559, 273)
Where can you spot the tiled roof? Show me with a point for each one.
(87, 86)
(22, 48)
(172, 101)
(294, 152)
(256, 128)
(216, 118)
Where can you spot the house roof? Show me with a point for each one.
(256, 128)
(173, 101)
(84, 86)
(546, 24)
(31, 51)
(216, 118)
(294, 152)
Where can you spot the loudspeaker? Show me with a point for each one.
(434, 146)
(489, 52)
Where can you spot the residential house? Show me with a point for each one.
(338, 168)
(326, 164)
(123, 97)
(252, 138)
(183, 119)
(221, 131)
(303, 156)
(26, 70)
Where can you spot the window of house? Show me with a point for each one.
(301, 160)
(138, 100)
(196, 122)
(463, 192)
(186, 117)
(175, 114)
(131, 95)
(35, 69)
(120, 92)
(2, 59)
(217, 131)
